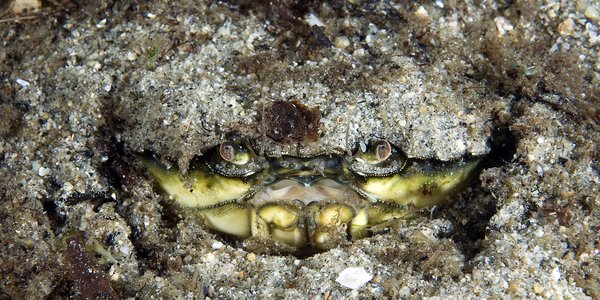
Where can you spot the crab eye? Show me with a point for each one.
(383, 150)
(378, 158)
(234, 153)
(234, 160)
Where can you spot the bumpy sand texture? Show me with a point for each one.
(85, 86)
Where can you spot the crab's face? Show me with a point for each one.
(317, 202)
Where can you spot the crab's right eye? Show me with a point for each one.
(381, 152)
(234, 160)
(378, 158)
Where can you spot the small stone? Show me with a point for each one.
(460, 146)
(538, 289)
(251, 257)
(101, 24)
(353, 278)
(404, 292)
(555, 274)
(359, 52)
(342, 42)
(503, 25)
(539, 232)
(592, 14)
(422, 16)
(67, 187)
(217, 245)
(125, 250)
(130, 56)
(567, 27)
(185, 48)
(313, 20)
(26, 6)
(541, 140)
(44, 171)
(470, 119)
(210, 258)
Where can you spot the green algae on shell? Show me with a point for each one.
(417, 186)
(200, 188)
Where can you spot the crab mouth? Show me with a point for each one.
(319, 202)
(320, 213)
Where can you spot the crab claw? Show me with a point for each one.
(200, 188)
(422, 184)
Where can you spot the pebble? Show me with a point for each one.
(503, 25)
(210, 258)
(131, 56)
(359, 52)
(19, 7)
(67, 187)
(217, 245)
(353, 277)
(313, 20)
(404, 292)
(44, 171)
(460, 146)
(592, 14)
(342, 42)
(422, 16)
(555, 274)
(567, 27)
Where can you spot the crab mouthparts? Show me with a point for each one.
(305, 193)
(319, 212)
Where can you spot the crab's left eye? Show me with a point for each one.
(235, 160)
(234, 153)
(378, 158)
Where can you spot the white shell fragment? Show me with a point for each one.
(22, 83)
(354, 278)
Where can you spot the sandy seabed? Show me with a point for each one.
(85, 86)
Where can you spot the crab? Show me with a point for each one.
(316, 202)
